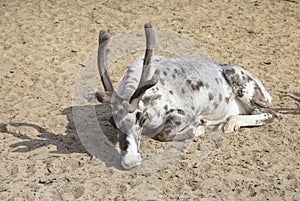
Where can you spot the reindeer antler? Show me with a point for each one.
(104, 39)
(150, 46)
(145, 84)
(103, 96)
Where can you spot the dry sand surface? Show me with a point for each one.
(43, 45)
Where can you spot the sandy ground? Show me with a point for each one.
(42, 47)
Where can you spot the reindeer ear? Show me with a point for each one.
(136, 97)
(152, 97)
(101, 96)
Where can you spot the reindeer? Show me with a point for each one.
(168, 98)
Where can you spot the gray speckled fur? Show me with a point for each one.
(195, 102)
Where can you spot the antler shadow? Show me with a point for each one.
(69, 143)
(296, 97)
(72, 141)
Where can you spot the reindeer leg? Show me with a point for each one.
(189, 132)
(236, 121)
(175, 128)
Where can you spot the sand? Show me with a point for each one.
(43, 47)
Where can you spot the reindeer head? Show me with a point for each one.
(127, 116)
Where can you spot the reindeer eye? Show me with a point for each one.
(138, 116)
(140, 119)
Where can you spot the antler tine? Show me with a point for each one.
(104, 39)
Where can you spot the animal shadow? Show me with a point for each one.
(296, 98)
(88, 131)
